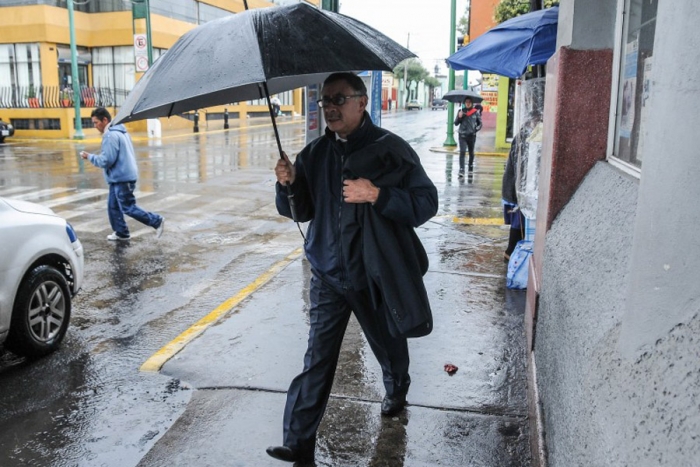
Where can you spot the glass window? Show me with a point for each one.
(20, 72)
(209, 13)
(635, 78)
(184, 10)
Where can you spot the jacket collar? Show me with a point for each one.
(357, 136)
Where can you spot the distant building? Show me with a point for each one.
(36, 92)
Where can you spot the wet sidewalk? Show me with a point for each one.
(240, 368)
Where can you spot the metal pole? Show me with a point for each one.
(149, 43)
(405, 75)
(74, 71)
(450, 140)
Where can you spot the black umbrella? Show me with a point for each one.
(253, 54)
(458, 95)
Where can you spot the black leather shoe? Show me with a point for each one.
(393, 405)
(285, 453)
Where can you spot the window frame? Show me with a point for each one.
(621, 29)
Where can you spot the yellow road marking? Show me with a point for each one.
(478, 220)
(146, 138)
(158, 359)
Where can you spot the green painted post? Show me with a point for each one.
(74, 72)
(450, 140)
(149, 42)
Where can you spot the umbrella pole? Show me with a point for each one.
(290, 195)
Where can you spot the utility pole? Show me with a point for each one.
(450, 140)
(405, 74)
(74, 71)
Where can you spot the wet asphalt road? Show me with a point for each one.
(219, 401)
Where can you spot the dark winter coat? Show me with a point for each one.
(469, 123)
(508, 191)
(365, 245)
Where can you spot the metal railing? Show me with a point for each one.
(53, 97)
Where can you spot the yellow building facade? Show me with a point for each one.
(36, 91)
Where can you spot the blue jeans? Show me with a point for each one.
(328, 317)
(122, 201)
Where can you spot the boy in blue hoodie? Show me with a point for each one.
(120, 171)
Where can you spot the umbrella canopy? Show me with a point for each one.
(235, 58)
(458, 95)
(508, 48)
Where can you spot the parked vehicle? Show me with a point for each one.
(41, 269)
(5, 130)
(438, 104)
(414, 105)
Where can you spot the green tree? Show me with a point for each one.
(432, 83)
(415, 73)
(463, 23)
(508, 9)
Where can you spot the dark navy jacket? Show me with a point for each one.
(335, 244)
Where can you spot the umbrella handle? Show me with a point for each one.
(290, 195)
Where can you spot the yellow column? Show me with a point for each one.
(298, 101)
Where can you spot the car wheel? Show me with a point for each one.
(41, 313)
(2, 139)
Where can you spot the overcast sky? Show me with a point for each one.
(427, 22)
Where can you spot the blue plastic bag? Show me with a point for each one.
(516, 278)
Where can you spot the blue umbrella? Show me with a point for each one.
(508, 48)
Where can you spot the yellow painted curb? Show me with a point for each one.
(158, 359)
(140, 138)
(478, 220)
(181, 135)
(456, 152)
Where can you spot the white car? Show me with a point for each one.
(41, 269)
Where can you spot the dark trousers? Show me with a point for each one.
(328, 317)
(466, 142)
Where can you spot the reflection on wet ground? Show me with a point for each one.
(93, 407)
(192, 158)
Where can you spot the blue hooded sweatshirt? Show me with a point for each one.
(117, 157)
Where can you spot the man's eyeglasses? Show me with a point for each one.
(336, 100)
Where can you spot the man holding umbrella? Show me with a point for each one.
(364, 191)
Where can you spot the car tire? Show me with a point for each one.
(41, 313)
(2, 139)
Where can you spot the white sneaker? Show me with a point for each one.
(113, 237)
(159, 230)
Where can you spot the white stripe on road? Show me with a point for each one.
(35, 195)
(77, 197)
(96, 206)
(8, 191)
(99, 225)
(218, 206)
